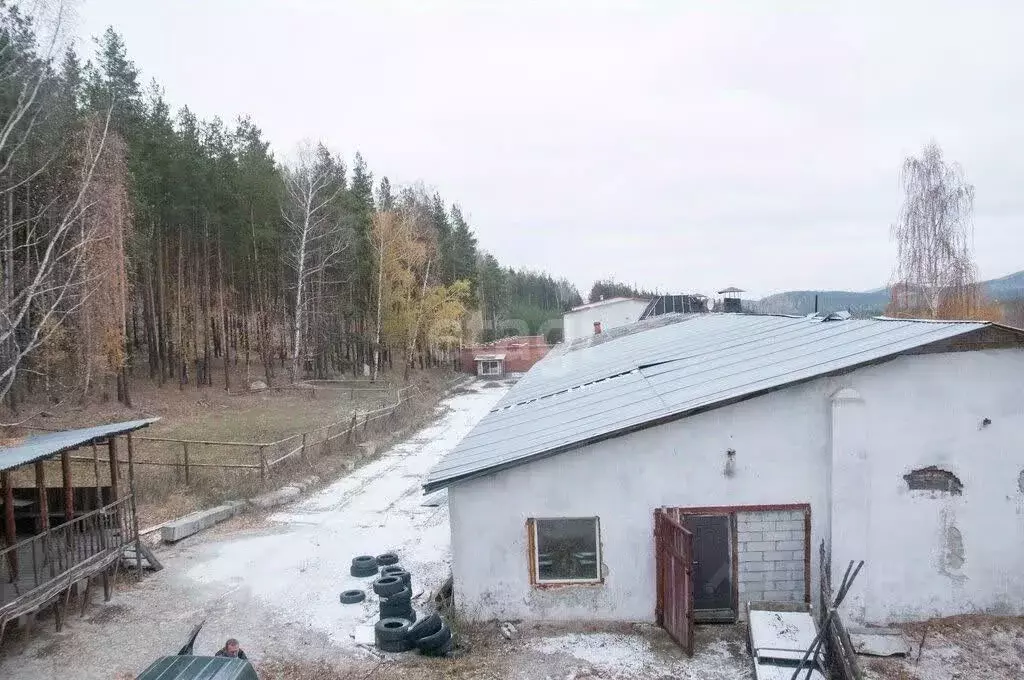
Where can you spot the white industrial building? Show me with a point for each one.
(898, 442)
(584, 320)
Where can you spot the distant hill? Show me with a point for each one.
(871, 302)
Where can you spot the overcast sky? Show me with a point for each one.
(678, 145)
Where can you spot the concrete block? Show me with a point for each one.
(753, 576)
(188, 525)
(275, 498)
(775, 556)
(797, 555)
(751, 556)
(761, 545)
(747, 536)
(779, 596)
(790, 525)
(790, 545)
(755, 566)
(776, 535)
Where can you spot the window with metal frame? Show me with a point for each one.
(566, 550)
(490, 368)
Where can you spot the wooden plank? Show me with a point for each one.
(10, 535)
(112, 459)
(69, 491)
(135, 515)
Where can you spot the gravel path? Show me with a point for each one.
(273, 584)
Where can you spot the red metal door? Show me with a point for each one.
(674, 559)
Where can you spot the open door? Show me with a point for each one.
(674, 563)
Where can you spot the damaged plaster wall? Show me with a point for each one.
(944, 529)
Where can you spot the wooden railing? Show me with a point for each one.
(64, 553)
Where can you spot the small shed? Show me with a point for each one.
(678, 468)
(490, 365)
(53, 542)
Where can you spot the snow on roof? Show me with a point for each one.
(601, 303)
(489, 357)
(670, 368)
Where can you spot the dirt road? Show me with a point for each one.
(272, 582)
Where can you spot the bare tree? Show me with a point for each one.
(935, 273)
(42, 248)
(313, 185)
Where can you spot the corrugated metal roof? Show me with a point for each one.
(668, 369)
(38, 447)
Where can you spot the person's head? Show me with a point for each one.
(231, 647)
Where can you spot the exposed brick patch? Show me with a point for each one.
(770, 547)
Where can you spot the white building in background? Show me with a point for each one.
(611, 313)
(898, 442)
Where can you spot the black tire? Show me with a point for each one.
(387, 559)
(363, 566)
(436, 641)
(395, 646)
(390, 629)
(386, 586)
(397, 610)
(406, 577)
(403, 595)
(443, 650)
(426, 626)
(352, 596)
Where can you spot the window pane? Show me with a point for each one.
(567, 549)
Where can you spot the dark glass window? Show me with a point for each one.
(567, 549)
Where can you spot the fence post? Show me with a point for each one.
(351, 428)
(303, 453)
(188, 479)
(263, 464)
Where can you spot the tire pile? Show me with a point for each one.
(398, 629)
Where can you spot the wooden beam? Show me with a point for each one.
(135, 516)
(44, 506)
(69, 491)
(10, 537)
(112, 455)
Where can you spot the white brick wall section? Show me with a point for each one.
(770, 550)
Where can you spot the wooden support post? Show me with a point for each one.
(303, 452)
(263, 464)
(96, 471)
(135, 516)
(44, 516)
(10, 537)
(188, 477)
(112, 454)
(351, 428)
(69, 490)
(106, 585)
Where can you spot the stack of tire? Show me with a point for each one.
(430, 635)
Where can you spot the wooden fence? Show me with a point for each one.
(265, 457)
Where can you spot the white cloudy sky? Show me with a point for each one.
(678, 145)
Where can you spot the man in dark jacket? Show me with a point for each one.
(232, 649)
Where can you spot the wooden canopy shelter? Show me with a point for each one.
(63, 547)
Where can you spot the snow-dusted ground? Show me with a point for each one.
(274, 587)
(273, 582)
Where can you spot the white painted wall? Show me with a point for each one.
(920, 411)
(810, 443)
(611, 314)
(781, 457)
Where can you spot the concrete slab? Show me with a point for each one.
(879, 642)
(274, 498)
(188, 525)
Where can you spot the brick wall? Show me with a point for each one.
(521, 353)
(770, 548)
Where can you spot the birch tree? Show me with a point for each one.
(935, 273)
(313, 186)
